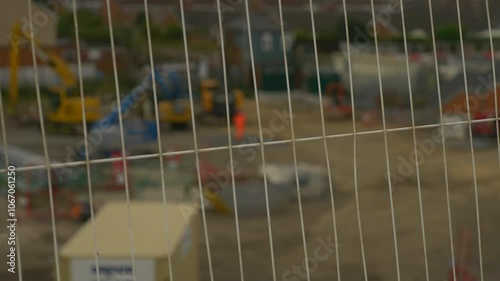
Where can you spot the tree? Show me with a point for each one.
(173, 32)
(140, 19)
(448, 33)
(356, 28)
(159, 33)
(302, 35)
(327, 35)
(91, 27)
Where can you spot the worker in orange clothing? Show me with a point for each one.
(239, 121)
(76, 211)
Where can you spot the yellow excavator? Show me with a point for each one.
(214, 101)
(65, 112)
(174, 106)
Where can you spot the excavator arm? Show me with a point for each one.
(53, 60)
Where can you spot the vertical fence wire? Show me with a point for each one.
(474, 174)
(493, 67)
(443, 140)
(85, 139)
(355, 142)
(261, 139)
(230, 144)
(44, 142)
(384, 124)
(294, 147)
(158, 132)
(325, 144)
(122, 138)
(6, 152)
(417, 166)
(195, 138)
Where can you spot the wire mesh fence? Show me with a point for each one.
(388, 170)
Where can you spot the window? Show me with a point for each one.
(266, 42)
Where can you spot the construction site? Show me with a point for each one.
(270, 155)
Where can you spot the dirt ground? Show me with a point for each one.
(378, 243)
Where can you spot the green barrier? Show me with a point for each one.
(325, 79)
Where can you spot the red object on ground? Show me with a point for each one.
(173, 160)
(415, 57)
(76, 211)
(338, 107)
(118, 172)
(462, 258)
(488, 55)
(484, 128)
(206, 171)
(239, 123)
(462, 274)
(442, 55)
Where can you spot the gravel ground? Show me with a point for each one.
(380, 259)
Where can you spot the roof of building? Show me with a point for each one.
(148, 228)
(203, 13)
(258, 21)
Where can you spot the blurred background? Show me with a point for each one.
(361, 188)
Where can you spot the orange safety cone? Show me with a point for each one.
(239, 122)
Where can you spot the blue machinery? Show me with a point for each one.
(135, 131)
(136, 94)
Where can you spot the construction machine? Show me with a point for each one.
(174, 107)
(138, 133)
(210, 107)
(485, 106)
(213, 100)
(65, 110)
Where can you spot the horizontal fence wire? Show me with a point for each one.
(246, 145)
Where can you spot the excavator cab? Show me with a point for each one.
(65, 103)
(55, 100)
(174, 107)
(66, 110)
(214, 99)
(208, 88)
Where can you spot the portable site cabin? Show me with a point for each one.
(393, 74)
(267, 51)
(150, 244)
